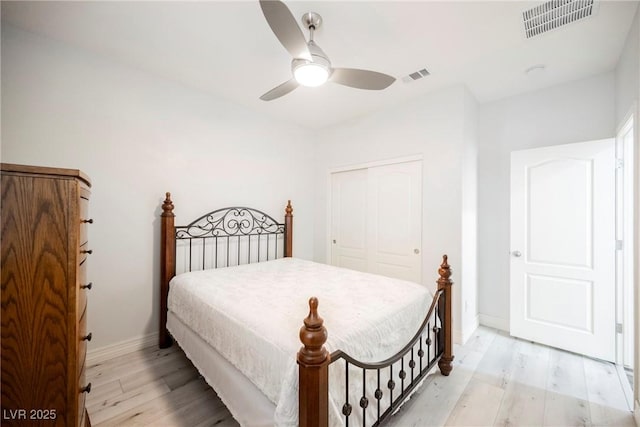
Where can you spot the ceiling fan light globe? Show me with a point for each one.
(311, 74)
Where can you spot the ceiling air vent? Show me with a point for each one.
(416, 76)
(554, 14)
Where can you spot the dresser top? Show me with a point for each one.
(42, 170)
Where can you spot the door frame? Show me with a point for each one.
(356, 166)
(625, 187)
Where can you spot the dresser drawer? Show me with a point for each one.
(84, 388)
(82, 397)
(84, 251)
(84, 215)
(82, 343)
(84, 236)
(83, 288)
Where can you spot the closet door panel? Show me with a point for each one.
(395, 220)
(349, 220)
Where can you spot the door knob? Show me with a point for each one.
(516, 254)
(416, 251)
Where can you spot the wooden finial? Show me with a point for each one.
(313, 336)
(167, 206)
(288, 211)
(444, 271)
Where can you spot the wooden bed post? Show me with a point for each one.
(313, 372)
(288, 230)
(167, 266)
(445, 362)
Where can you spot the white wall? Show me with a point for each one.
(469, 218)
(573, 112)
(433, 127)
(627, 70)
(137, 136)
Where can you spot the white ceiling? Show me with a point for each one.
(228, 49)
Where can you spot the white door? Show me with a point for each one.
(563, 247)
(376, 220)
(395, 227)
(349, 219)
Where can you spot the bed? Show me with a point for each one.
(234, 298)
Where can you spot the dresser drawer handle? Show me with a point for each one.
(88, 337)
(86, 389)
(87, 251)
(90, 221)
(87, 286)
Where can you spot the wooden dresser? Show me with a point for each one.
(44, 296)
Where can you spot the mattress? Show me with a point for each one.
(251, 316)
(248, 405)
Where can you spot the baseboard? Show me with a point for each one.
(457, 336)
(101, 354)
(460, 337)
(468, 332)
(494, 322)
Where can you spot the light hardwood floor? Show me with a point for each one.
(497, 380)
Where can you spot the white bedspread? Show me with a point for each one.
(252, 314)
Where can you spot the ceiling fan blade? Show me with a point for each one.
(361, 79)
(284, 26)
(281, 90)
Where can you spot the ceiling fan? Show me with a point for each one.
(310, 65)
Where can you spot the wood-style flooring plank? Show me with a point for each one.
(207, 409)
(158, 368)
(110, 408)
(566, 401)
(103, 392)
(566, 374)
(478, 405)
(140, 361)
(498, 362)
(564, 410)
(181, 376)
(524, 396)
(194, 393)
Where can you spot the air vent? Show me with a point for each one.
(416, 76)
(554, 14)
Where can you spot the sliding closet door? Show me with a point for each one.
(376, 220)
(349, 219)
(395, 227)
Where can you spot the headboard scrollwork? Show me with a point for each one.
(227, 237)
(227, 222)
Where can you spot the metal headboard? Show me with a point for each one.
(227, 237)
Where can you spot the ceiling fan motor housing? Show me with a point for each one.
(318, 57)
